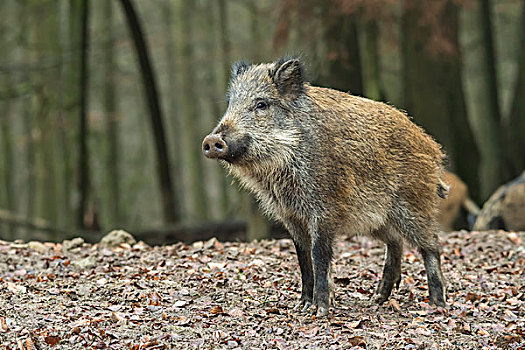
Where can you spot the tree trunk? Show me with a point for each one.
(8, 166)
(514, 127)
(373, 87)
(255, 30)
(46, 174)
(30, 181)
(216, 187)
(191, 137)
(342, 50)
(224, 39)
(490, 61)
(83, 154)
(72, 109)
(258, 226)
(234, 195)
(488, 118)
(432, 84)
(173, 113)
(170, 207)
(112, 119)
(27, 116)
(63, 115)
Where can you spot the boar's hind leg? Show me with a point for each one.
(303, 247)
(392, 269)
(436, 286)
(322, 251)
(425, 238)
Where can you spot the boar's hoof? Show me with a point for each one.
(321, 312)
(380, 298)
(302, 305)
(437, 301)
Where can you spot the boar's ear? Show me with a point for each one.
(240, 67)
(288, 76)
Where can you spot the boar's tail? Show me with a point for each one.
(443, 189)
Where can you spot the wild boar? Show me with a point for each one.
(324, 162)
(505, 209)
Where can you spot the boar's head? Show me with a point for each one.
(258, 127)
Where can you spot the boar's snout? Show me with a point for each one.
(214, 147)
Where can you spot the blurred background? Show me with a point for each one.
(104, 103)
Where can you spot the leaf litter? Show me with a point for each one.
(213, 294)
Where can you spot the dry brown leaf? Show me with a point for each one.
(394, 303)
(513, 237)
(409, 280)
(472, 297)
(236, 312)
(273, 310)
(217, 309)
(3, 324)
(30, 345)
(354, 324)
(481, 331)
(510, 316)
(15, 288)
(118, 317)
(466, 328)
(154, 298)
(410, 257)
(52, 340)
(357, 341)
(311, 332)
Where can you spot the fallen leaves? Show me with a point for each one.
(3, 324)
(513, 237)
(180, 303)
(52, 340)
(510, 316)
(218, 310)
(357, 341)
(239, 295)
(395, 304)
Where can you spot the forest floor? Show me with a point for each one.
(214, 295)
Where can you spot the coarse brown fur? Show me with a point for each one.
(325, 163)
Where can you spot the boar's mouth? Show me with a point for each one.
(237, 149)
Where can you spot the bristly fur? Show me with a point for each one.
(240, 67)
(324, 162)
(288, 73)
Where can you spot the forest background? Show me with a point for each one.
(104, 103)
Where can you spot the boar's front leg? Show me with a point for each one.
(303, 247)
(307, 275)
(322, 252)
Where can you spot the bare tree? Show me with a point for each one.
(112, 122)
(169, 205)
(489, 116)
(342, 49)
(515, 124)
(432, 82)
(83, 155)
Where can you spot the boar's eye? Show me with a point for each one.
(261, 105)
